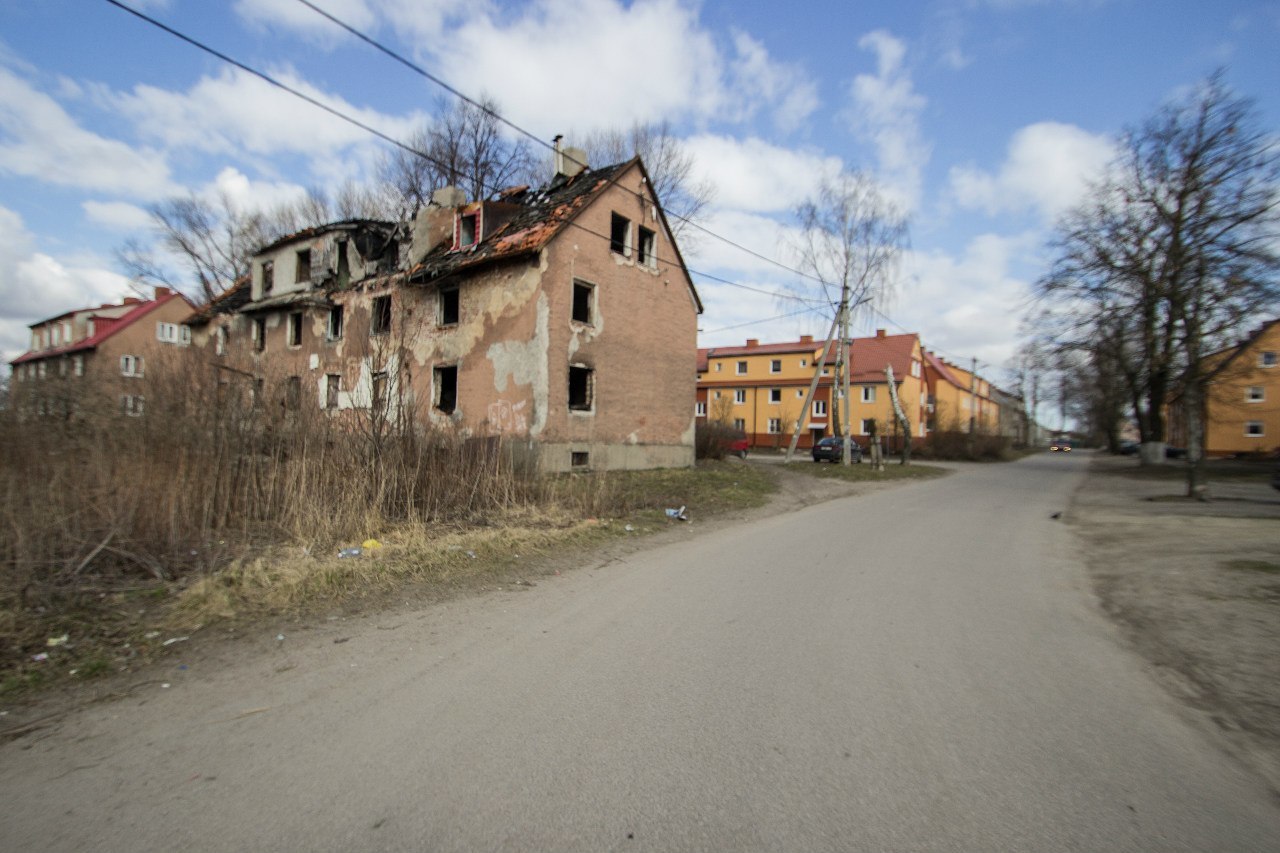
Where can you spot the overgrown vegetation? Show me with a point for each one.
(224, 501)
(959, 445)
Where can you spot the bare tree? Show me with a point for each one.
(465, 147)
(850, 240)
(670, 167)
(213, 240)
(1174, 251)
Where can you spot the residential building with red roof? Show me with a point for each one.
(99, 353)
(561, 317)
(761, 389)
(959, 399)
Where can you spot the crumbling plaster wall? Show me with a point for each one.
(641, 343)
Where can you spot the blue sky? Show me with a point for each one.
(983, 117)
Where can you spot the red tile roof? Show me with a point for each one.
(869, 356)
(940, 367)
(103, 327)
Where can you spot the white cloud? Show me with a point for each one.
(35, 286)
(117, 215)
(1047, 168)
(293, 15)
(886, 112)
(235, 112)
(970, 306)
(39, 139)
(753, 175)
(762, 80)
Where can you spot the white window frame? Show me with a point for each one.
(868, 395)
(775, 395)
(775, 365)
(1261, 429)
(819, 408)
(740, 369)
(1267, 359)
(862, 426)
(740, 397)
(700, 409)
(132, 365)
(77, 365)
(1255, 394)
(775, 426)
(132, 405)
(740, 424)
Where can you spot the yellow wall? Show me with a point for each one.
(1231, 405)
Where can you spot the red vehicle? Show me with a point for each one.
(737, 446)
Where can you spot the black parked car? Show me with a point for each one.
(829, 449)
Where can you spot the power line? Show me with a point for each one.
(757, 322)
(417, 69)
(267, 78)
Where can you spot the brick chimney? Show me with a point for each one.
(162, 292)
(753, 342)
(806, 339)
(880, 333)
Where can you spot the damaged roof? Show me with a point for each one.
(227, 302)
(544, 213)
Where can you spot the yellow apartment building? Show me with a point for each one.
(1242, 406)
(760, 388)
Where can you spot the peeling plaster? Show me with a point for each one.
(526, 364)
(687, 437)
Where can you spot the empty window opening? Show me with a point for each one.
(344, 267)
(220, 341)
(260, 333)
(380, 324)
(295, 329)
(582, 298)
(449, 306)
(334, 328)
(268, 276)
(303, 267)
(332, 387)
(468, 230)
(775, 395)
(293, 393)
(579, 458)
(620, 235)
(132, 404)
(646, 256)
(580, 382)
(379, 401)
(446, 387)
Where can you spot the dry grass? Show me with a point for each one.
(217, 505)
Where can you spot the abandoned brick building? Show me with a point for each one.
(561, 317)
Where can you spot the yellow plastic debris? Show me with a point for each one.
(371, 544)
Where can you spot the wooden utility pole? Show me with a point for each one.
(973, 402)
(813, 387)
(846, 457)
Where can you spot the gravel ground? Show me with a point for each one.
(1196, 589)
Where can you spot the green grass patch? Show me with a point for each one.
(864, 473)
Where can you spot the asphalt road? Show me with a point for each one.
(923, 668)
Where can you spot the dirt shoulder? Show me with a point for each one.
(1196, 589)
